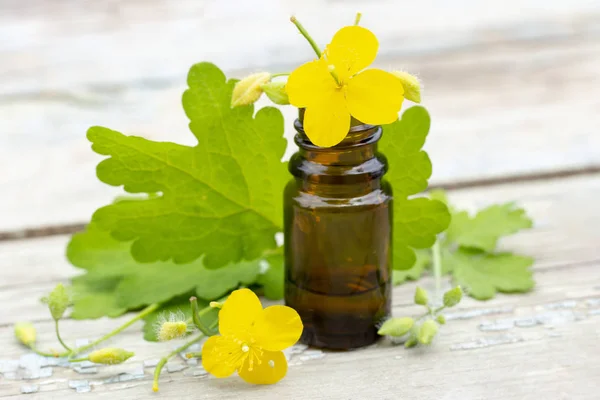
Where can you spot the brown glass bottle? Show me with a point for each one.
(338, 235)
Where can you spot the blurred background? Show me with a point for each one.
(512, 86)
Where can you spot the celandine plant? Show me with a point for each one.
(197, 242)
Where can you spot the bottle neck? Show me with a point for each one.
(352, 167)
(358, 146)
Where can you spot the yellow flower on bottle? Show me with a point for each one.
(251, 340)
(337, 86)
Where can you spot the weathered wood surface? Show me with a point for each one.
(512, 86)
(513, 347)
(513, 89)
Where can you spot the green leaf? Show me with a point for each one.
(158, 282)
(97, 252)
(116, 282)
(93, 297)
(484, 230)
(439, 194)
(272, 279)
(220, 199)
(402, 142)
(416, 221)
(481, 275)
(415, 272)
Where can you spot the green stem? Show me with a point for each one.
(306, 36)
(357, 19)
(59, 338)
(437, 310)
(79, 359)
(194, 355)
(437, 266)
(280, 74)
(164, 360)
(196, 317)
(148, 310)
(44, 354)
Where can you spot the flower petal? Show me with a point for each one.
(272, 367)
(374, 97)
(277, 328)
(328, 122)
(217, 357)
(352, 49)
(309, 83)
(239, 311)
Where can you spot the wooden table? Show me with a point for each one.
(514, 91)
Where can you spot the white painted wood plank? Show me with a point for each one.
(73, 42)
(511, 362)
(508, 109)
(507, 360)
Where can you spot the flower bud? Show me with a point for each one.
(25, 333)
(171, 330)
(58, 301)
(215, 304)
(275, 91)
(110, 356)
(441, 319)
(427, 331)
(452, 297)
(173, 327)
(411, 342)
(396, 326)
(411, 84)
(421, 296)
(249, 89)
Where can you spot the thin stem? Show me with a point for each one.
(164, 360)
(59, 338)
(357, 19)
(148, 310)
(437, 266)
(437, 310)
(79, 359)
(306, 36)
(280, 74)
(196, 317)
(44, 354)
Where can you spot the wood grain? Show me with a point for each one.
(552, 359)
(513, 89)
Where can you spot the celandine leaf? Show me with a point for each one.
(482, 275)
(220, 199)
(115, 282)
(416, 221)
(485, 229)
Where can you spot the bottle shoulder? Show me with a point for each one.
(339, 196)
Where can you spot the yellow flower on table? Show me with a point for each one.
(335, 87)
(252, 339)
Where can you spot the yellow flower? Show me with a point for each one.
(252, 339)
(333, 88)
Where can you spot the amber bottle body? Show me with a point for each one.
(338, 236)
